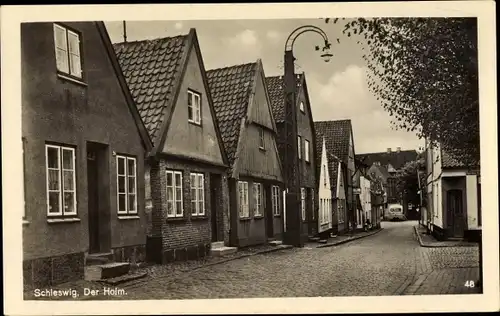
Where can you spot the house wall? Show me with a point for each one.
(472, 202)
(325, 193)
(252, 230)
(187, 237)
(255, 162)
(187, 139)
(64, 112)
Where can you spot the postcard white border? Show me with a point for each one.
(12, 16)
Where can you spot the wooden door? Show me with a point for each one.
(456, 220)
(214, 209)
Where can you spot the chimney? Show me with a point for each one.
(398, 149)
(389, 150)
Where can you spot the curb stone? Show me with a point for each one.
(349, 239)
(437, 245)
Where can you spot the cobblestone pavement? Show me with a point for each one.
(388, 263)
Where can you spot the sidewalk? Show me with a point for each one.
(427, 240)
(341, 239)
(154, 271)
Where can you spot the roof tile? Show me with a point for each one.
(230, 88)
(337, 135)
(150, 68)
(275, 87)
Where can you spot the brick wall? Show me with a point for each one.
(187, 237)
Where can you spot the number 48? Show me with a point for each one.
(469, 283)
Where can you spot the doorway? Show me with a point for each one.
(456, 221)
(215, 197)
(98, 198)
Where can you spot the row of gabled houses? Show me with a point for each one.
(135, 152)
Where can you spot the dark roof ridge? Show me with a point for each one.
(151, 40)
(233, 66)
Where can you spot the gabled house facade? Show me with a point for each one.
(340, 145)
(249, 135)
(84, 147)
(306, 146)
(324, 188)
(453, 196)
(186, 169)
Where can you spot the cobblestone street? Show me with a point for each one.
(388, 263)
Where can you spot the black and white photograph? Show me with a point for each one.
(333, 152)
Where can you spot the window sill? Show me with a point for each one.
(262, 149)
(243, 219)
(26, 222)
(176, 219)
(258, 217)
(125, 217)
(277, 215)
(68, 78)
(194, 123)
(199, 217)
(63, 220)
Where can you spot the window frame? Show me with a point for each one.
(243, 207)
(299, 147)
(312, 205)
(127, 193)
(197, 200)
(60, 173)
(192, 95)
(174, 199)
(67, 30)
(275, 198)
(303, 203)
(262, 145)
(302, 107)
(307, 148)
(258, 199)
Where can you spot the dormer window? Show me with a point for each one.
(67, 48)
(194, 107)
(301, 107)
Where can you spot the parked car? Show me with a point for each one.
(394, 212)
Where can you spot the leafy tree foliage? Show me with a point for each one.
(410, 179)
(424, 72)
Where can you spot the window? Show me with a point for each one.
(341, 211)
(276, 199)
(301, 106)
(197, 194)
(194, 107)
(127, 185)
(257, 194)
(306, 150)
(67, 47)
(324, 174)
(61, 182)
(243, 199)
(299, 146)
(175, 207)
(312, 204)
(303, 203)
(261, 138)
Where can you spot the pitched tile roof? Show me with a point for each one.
(396, 159)
(151, 68)
(451, 160)
(230, 88)
(275, 88)
(337, 135)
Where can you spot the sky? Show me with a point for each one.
(337, 90)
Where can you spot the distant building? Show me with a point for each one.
(392, 161)
(340, 145)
